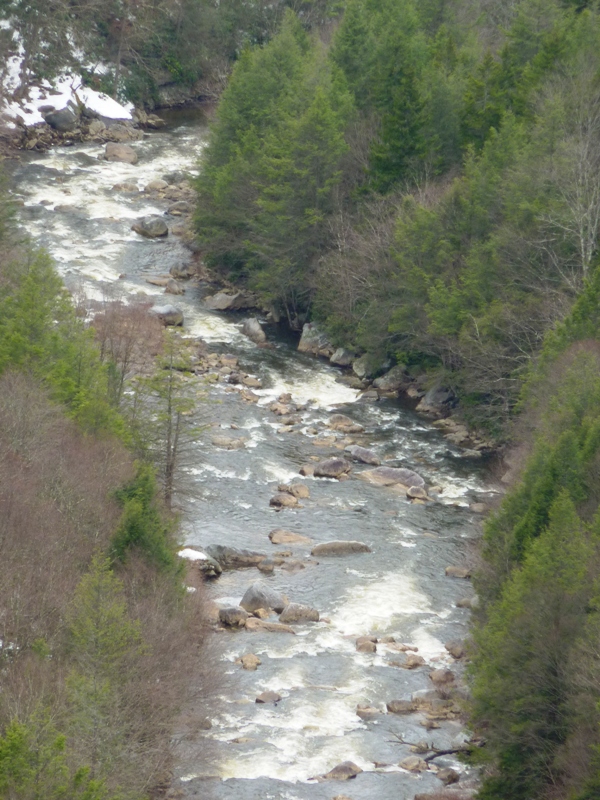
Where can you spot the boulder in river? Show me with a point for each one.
(155, 186)
(401, 707)
(152, 227)
(363, 454)
(392, 476)
(362, 367)
(168, 314)
(253, 330)
(339, 548)
(314, 341)
(228, 442)
(233, 617)
(442, 677)
(342, 423)
(332, 468)
(299, 490)
(456, 649)
(234, 557)
(250, 662)
(343, 772)
(296, 612)
(365, 644)
(448, 776)
(283, 500)
(259, 595)
(230, 301)
(458, 572)
(435, 401)
(413, 661)
(414, 764)
(281, 536)
(268, 697)
(114, 151)
(172, 287)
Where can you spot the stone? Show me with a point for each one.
(156, 186)
(401, 707)
(168, 315)
(299, 490)
(228, 442)
(456, 649)
(120, 152)
(281, 536)
(295, 612)
(413, 661)
(343, 772)
(458, 572)
(267, 566)
(441, 677)
(362, 367)
(96, 127)
(392, 381)
(342, 357)
(435, 401)
(179, 207)
(307, 470)
(339, 548)
(392, 476)
(259, 595)
(230, 301)
(417, 493)
(234, 557)
(464, 602)
(414, 764)
(342, 423)
(363, 454)
(175, 178)
(367, 712)
(448, 776)
(253, 330)
(332, 468)
(365, 645)
(152, 227)
(253, 624)
(130, 188)
(119, 132)
(268, 697)
(284, 500)
(478, 508)
(173, 287)
(314, 341)
(250, 662)
(251, 382)
(63, 121)
(234, 617)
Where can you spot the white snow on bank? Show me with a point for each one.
(191, 555)
(67, 89)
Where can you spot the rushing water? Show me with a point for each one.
(399, 589)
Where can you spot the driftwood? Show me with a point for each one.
(435, 752)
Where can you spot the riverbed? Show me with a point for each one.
(398, 590)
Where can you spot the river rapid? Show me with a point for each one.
(398, 590)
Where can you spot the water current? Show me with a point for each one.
(399, 589)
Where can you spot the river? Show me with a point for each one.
(399, 589)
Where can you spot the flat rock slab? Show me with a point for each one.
(233, 557)
(281, 536)
(401, 707)
(339, 548)
(332, 468)
(343, 772)
(392, 476)
(363, 454)
(254, 624)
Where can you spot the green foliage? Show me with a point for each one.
(142, 526)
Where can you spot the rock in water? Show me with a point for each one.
(234, 557)
(152, 227)
(259, 595)
(332, 468)
(314, 341)
(342, 423)
(342, 357)
(343, 772)
(250, 662)
(283, 500)
(363, 454)
(120, 152)
(268, 697)
(168, 315)
(281, 536)
(392, 476)
(414, 764)
(295, 612)
(393, 380)
(234, 617)
(253, 330)
(339, 548)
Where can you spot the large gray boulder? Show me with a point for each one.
(295, 612)
(230, 301)
(234, 557)
(393, 380)
(342, 357)
(259, 595)
(363, 454)
(344, 424)
(120, 152)
(362, 367)
(339, 548)
(332, 468)
(63, 121)
(168, 315)
(253, 330)
(435, 401)
(314, 341)
(152, 227)
(392, 476)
